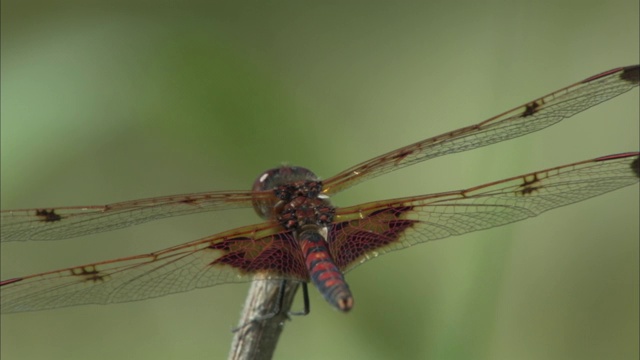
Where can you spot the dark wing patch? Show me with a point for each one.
(277, 255)
(352, 240)
(48, 215)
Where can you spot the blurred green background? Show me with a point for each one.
(104, 101)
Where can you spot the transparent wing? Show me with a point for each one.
(234, 256)
(66, 222)
(365, 231)
(522, 120)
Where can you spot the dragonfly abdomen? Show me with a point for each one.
(324, 273)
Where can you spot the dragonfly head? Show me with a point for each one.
(274, 178)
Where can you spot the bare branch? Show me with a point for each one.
(259, 329)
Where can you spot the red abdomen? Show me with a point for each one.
(324, 273)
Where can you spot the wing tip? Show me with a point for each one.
(631, 74)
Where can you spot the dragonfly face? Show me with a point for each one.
(305, 238)
(297, 198)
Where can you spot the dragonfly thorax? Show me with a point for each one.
(297, 200)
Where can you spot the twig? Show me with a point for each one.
(259, 328)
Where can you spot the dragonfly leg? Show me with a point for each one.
(305, 299)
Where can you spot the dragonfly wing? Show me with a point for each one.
(66, 222)
(528, 118)
(234, 256)
(365, 231)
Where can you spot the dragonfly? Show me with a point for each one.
(304, 238)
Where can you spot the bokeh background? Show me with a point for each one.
(104, 101)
